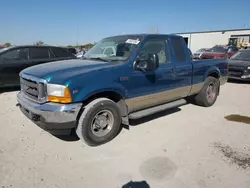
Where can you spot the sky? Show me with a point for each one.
(69, 22)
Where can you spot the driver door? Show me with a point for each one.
(150, 88)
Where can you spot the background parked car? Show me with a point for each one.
(80, 54)
(72, 50)
(198, 53)
(239, 65)
(14, 59)
(219, 52)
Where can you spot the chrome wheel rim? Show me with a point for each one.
(211, 92)
(102, 123)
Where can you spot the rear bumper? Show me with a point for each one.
(55, 118)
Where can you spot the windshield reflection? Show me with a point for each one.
(117, 48)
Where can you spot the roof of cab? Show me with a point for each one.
(144, 35)
(34, 46)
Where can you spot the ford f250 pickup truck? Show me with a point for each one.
(95, 95)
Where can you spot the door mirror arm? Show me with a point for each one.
(149, 64)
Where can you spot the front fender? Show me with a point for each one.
(87, 92)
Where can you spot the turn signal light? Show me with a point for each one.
(65, 99)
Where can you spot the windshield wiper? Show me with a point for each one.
(241, 59)
(96, 58)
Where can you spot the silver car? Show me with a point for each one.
(198, 53)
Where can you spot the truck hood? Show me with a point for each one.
(66, 69)
(238, 63)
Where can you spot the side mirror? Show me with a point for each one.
(149, 64)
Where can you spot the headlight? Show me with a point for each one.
(58, 93)
(248, 68)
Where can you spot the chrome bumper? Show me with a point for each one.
(50, 116)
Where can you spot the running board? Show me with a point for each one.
(153, 110)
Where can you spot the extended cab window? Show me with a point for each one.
(16, 54)
(61, 52)
(157, 46)
(178, 49)
(39, 53)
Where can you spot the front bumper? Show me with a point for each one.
(58, 119)
(241, 78)
(239, 75)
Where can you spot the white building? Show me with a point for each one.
(208, 39)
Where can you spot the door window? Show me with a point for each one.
(178, 49)
(232, 49)
(61, 52)
(16, 54)
(51, 54)
(157, 46)
(39, 53)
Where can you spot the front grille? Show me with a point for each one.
(33, 88)
(236, 71)
(236, 68)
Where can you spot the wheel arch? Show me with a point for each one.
(212, 71)
(113, 95)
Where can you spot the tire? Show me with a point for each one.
(95, 134)
(203, 98)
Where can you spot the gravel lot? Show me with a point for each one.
(188, 147)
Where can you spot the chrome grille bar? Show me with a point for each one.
(33, 88)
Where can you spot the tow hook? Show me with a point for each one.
(35, 118)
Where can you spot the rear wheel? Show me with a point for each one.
(209, 92)
(100, 122)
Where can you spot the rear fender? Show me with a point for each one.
(212, 70)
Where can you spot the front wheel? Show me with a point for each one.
(100, 122)
(209, 92)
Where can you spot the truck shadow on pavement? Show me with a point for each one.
(68, 138)
(238, 82)
(141, 184)
(9, 89)
(153, 117)
(73, 137)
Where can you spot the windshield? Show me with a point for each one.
(114, 48)
(219, 49)
(242, 55)
(201, 50)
